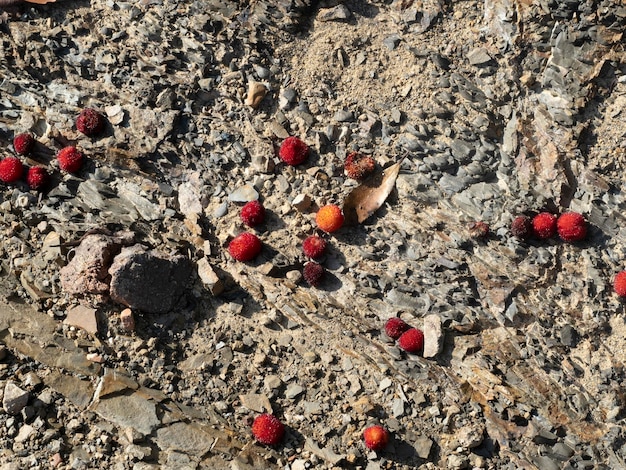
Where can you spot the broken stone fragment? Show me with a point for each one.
(209, 277)
(82, 317)
(87, 272)
(433, 335)
(127, 320)
(15, 399)
(148, 281)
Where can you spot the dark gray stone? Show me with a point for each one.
(148, 281)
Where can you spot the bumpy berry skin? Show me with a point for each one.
(245, 246)
(329, 218)
(314, 246)
(293, 151)
(313, 274)
(11, 170)
(376, 438)
(619, 284)
(357, 166)
(412, 341)
(479, 230)
(268, 429)
(253, 213)
(37, 177)
(394, 327)
(544, 225)
(572, 227)
(70, 159)
(23, 143)
(522, 227)
(90, 122)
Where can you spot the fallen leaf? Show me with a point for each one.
(364, 200)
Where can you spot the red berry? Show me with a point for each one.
(37, 177)
(23, 143)
(245, 247)
(412, 341)
(70, 159)
(572, 227)
(314, 246)
(619, 284)
(11, 169)
(394, 327)
(544, 225)
(268, 429)
(376, 438)
(522, 227)
(253, 213)
(357, 166)
(90, 122)
(293, 151)
(313, 273)
(329, 218)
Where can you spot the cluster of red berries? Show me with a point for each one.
(409, 339)
(570, 226)
(247, 246)
(70, 159)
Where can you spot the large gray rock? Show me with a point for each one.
(148, 281)
(15, 399)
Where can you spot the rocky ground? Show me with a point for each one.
(493, 109)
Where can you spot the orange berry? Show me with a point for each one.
(329, 218)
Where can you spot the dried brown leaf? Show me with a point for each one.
(364, 200)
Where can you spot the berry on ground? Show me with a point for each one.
(293, 151)
(329, 218)
(478, 229)
(23, 143)
(314, 246)
(313, 273)
(253, 213)
(268, 429)
(394, 327)
(37, 177)
(357, 166)
(245, 246)
(619, 284)
(90, 122)
(572, 227)
(70, 159)
(544, 225)
(11, 169)
(376, 438)
(522, 227)
(412, 341)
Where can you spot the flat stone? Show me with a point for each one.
(127, 319)
(245, 193)
(478, 56)
(82, 317)
(79, 392)
(184, 437)
(147, 280)
(129, 410)
(293, 390)
(258, 402)
(433, 335)
(14, 399)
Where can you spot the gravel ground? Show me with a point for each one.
(490, 109)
